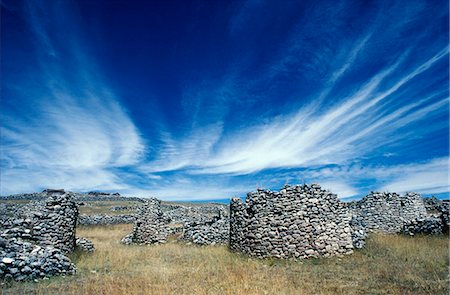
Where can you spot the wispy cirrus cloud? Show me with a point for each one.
(318, 134)
(70, 128)
(347, 96)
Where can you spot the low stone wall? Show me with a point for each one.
(388, 212)
(185, 215)
(215, 231)
(123, 208)
(103, 219)
(298, 221)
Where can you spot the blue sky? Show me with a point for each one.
(211, 99)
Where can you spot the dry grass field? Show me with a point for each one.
(389, 264)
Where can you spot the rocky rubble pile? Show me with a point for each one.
(9, 213)
(21, 260)
(432, 204)
(429, 225)
(150, 226)
(103, 219)
(298, 221)
(85, 245)
(388, 212)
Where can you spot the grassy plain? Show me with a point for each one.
(389, 264)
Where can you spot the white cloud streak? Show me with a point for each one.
(76, 130)
(312, 136)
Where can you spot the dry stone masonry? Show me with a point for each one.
(54, 222)
(212, 232)
(203, 224)
(151, 226)
(388, 212)
(298, 221)
(21, 260)
(34, 244)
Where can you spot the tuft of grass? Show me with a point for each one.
(389, 264)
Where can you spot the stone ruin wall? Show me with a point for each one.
(51, 222)
(215, 231)
(388, 212)
(151, 226)
(34, 242)
(54, 222)
(298, 221)
(201, 224)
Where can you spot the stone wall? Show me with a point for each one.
(21, 260)
(388, 212)
(151, 226)
(54, 222)
(103, 219)
(298, 221)
(33, 241)
(199, 214)
(51, 222)
(215, 231)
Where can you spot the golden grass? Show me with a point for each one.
(389, 264)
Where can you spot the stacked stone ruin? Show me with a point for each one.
(298, 221)
(215, 231)
(34, 245)
(438, 209)
(388, 212)
(150, 226)
(205, 224)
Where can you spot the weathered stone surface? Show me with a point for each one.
(50, 222)
(151, 226)
(298, 221)
(36, 237)
(388, 212)
(23, 260)
(212, 232)
(429, 225)
(85, 245)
